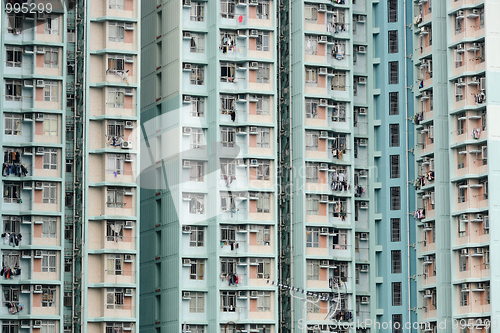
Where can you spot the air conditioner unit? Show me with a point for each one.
(128, 158)
(428, 225)
(38, 116)
(323, 70)
(25, 323)
(187, 98)
(323, 134)
(242, 33)
(365, 300)
(186, 295)
(186, 229)
(28, 117)
(186, 262)
(26, 254)
(242, 293)
(364, 268)
(464, 217)
(38, 254)
(40, 83)
(187, 66)
(129, 124)
(28, 83)
(461, 80)
(38, 288)
(428, 292)
(253, 162)
(361, 18)
(325, 263)
(129, 92)
(186, 130)
(129, 292)
(362, 111)
(127, 258)
(38, 186)
(129, 26)
(323, 38)
(186, 3)
(129, 59)
(478, 250)
(253, 129)
(363, 204)
(460, 14)
(427, 258)
(363, 236)
(127, 144)
(324, 230)
(465, 286)
(363, 142)
(323, 166)
(253, 293)
(460, 47)
(37, 323)
(254, 32)
(322, 7)
(254, 64)
(464, 251)
(242, 227)
(476, 12)
(27, 220)
(479, 216)
(323, 198)
(129, 224)
(362, 80)
(480, 286)
(27, 185)
(186, 164)
(361, 49)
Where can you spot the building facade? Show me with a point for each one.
(70, 77)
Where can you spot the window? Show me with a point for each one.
(50, 91)
(395, 198)
(263, 72)
(114, 298)
(50, 125)
(312, 237)
(197, 302)
(396, 261)
(12, 124)
(48, 296)
(14, 56)
(263, 170)
(227, 234)
(462, 192)
(263, 268)
(227, 72)
(50, 159)
(196, 171)
(197, 139)
(51, 57)
(121, 328)
(263, 202)
(197, 106)
(11, 193)
(262, 9)
(197, 11)
(312, 139)
(12, 224)
(396, 294)
(462, 263)
(263, 105)
(263, 137)
(114, 231)
(392, 6)
(312, 205)
(116, 63)
(461, 117)
(116, 32)
(459, 58)
(52, 24)
(483, 120)
(464, 297)
(10, 294)
(68, 299)
(10, 326)
(114, 264)
(312, 269)
(49, 192)
(227, 104)
(311, 45)
(115, 164)
(13, 90)
(393, 72)
(264, 301)
(458, 24)
(117, 4)
(312, 172)
(461, 158)
(10, 259)
(227, 8)
(115, 197)
(459, 92)
(312, 108)
(393, 41)
(395, 230)
(397, 323)
(228, 301)
(339, 81)
(394, 166)
(228, 136)
(49, 261)
(116, 97)
(393, 103)
(196, 238)
(197, 76)
(196, 203)
(15, 24)
(197, 39)
(228, 203)
(228, 168)
(312, 306)
(263, 41)
(68, 231)
(311, 76)
(394, 135)
(197, 269)
(49, 227)
(311, 13)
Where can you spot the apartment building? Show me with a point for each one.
(69, 209)
(209, 112)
